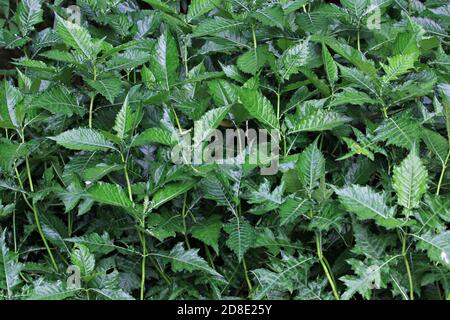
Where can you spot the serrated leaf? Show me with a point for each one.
(215, 25)
(124, 120)
(240, 236)
(10, 268)
(58, 100)
(110, 88)
(76, 36)
(367, 204)
(293, 58)
(410, 181)
(188, 260)
(311, 166)
(205, 126)
(208, 231)
(83, 139)
(259, 107)
(171, 191)
(164, 60)
(110, 194)
(198, 8)
(82, 258)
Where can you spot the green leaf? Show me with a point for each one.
(436, 245)
(83, 139)
(330, 65)
(154, 135)
(410, 181)
(314, 119)
(351, 96)
(110, 88)
(311, 166)
(436, 144)
(259, 107)
(241, 236)
(398, 65)
(270, 16)
(293, 58)
(94, 242)
(401, 130)
(58, 100)
(252, 60)
(110, 194)
(9, 97)
(208, 231)
(164, 61)
(10, 268)
(198, 8)
(215, 25)
(367, 204)
(188, 260)
(76, 36)
(224, 93)
(124, 120)
(171, 191)
(205, 126)
(29, 13)
(293, 208)
(82, 258)
(51, 291)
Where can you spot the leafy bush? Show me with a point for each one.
(92, 207)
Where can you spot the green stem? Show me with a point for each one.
(359, 42)
(32, 205)
(183, 215)
(247, 279)
(408, 268)
(91, 104)
(255, 44)
(324, 264)
(127, 178)
(441, 177)
(143, 262)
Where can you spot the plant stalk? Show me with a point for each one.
(325, 267)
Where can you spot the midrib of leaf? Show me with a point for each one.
(279, 275)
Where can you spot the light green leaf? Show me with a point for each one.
(205, 126)
(154, 135)
(215, 25)
(83, 139)
(330, 65)
(241, 236)
(198, 8)
(124, 120)
(410, 181)
(164, 60)
(10, 268)
(82, 258)
(311, 166)
(58, 100)
(76, 36)
(367, 204)
(110, 194)
(171, 191)
(259, 107)
(110, 88)
(187, 260)
(293, 58)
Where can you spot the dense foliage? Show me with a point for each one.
(91, 109)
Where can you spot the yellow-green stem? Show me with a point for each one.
(441, 177)
(247, 279)
(325, 267)
(408, 268)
